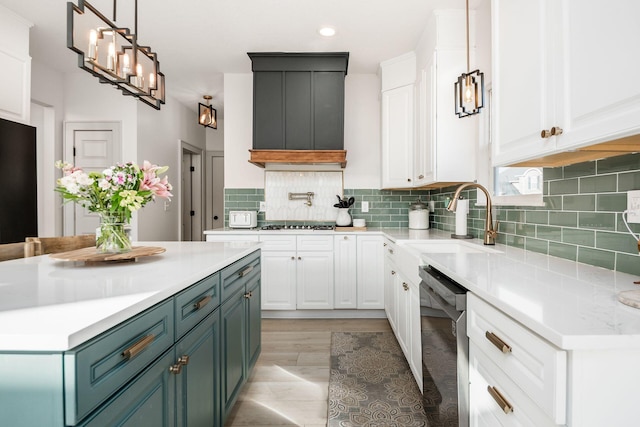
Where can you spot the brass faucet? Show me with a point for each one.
(490, 232)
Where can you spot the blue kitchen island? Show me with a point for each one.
(167, 340)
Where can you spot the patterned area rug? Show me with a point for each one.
(371, 384)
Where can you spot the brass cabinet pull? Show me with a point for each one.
(391, 251)
(420, 176)
(497, 341)
(500, 399)
(393, 273)
(346, 238)
(183, 360)
(293, 258)
(408, 179)
(384, 244)
(204, 301)
(556, 131)
(246, 271)
(299, 258)
(140, 345)
(405, 286)
(248, 295)
(545, 133)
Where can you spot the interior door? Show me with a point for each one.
(217, 192)
(187, 207)
(94, 152)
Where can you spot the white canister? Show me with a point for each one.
(418, 216)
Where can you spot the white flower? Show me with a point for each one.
(104, 184)
(83, 179)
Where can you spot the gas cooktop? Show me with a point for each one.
(297, 227)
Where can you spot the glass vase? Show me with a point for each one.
(112, 237)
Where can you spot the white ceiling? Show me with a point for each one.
(199, 40)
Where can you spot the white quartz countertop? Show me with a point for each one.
(50, 305)
(570, 304)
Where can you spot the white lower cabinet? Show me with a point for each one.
(402, 306)
(516, 377)
(345, 292)
(279, 273)
(314, 279)
(370, 270)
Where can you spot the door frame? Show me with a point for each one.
(209, 179)
(197, 189)
(68, 211)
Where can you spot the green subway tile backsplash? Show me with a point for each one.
(581, 219)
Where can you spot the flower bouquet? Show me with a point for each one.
(114, 194)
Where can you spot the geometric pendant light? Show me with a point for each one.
(469, 88)
(112, 53)
(207, 115)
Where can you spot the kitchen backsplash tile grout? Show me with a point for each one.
(581, 219)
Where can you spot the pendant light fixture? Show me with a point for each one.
(469, 88)
(207, 115)
(112, 53)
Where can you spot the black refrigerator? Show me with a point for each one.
(18, 182)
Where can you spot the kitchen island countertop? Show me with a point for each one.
(50, 305)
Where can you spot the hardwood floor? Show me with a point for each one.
(289, 385)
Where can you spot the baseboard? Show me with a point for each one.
(323, 314)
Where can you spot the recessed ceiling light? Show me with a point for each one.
(327, 31)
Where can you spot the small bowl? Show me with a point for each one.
(359, 222)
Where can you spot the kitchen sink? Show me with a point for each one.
(447, 247)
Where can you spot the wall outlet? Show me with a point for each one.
(263, 207)
(633, 206)
(365, 207)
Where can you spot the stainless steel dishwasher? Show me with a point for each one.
(445, 350)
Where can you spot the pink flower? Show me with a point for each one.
(151, 182)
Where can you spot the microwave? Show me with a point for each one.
(243, 219)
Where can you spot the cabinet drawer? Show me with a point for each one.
(279, 242)
(315, 243)
(487, 410)
(195, 303)
(390, 250)
(149, 400)
(235, 276)
(539, 368)
(95, 369)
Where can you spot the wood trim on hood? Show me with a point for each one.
(261, 157)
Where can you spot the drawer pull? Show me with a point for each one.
(405, 286)
(500, 400)
(204, 301)
(497, 341)
(135, 349)
(246, 271)
(391, 251)
(248, 294)
(393, 273)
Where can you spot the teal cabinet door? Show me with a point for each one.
(254, 322)
(198, 383)
(234, 361)
(148, 401)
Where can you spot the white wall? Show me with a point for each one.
(362, 132)
(215, 137)
(159, 136)
(238, 113)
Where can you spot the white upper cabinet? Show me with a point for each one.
(600, 56)
(561, 76)
(397, 121)
(423, 140)
(15, 85)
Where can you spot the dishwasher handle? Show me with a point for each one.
(442, 303)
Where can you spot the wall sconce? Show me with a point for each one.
(113, 55)
(207, 115)
(469, 88)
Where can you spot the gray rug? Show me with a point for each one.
(371, 384)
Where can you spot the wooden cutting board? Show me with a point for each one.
(90, 254)
(630, 298)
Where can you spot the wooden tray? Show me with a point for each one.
(90, 254)
(350, 228)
